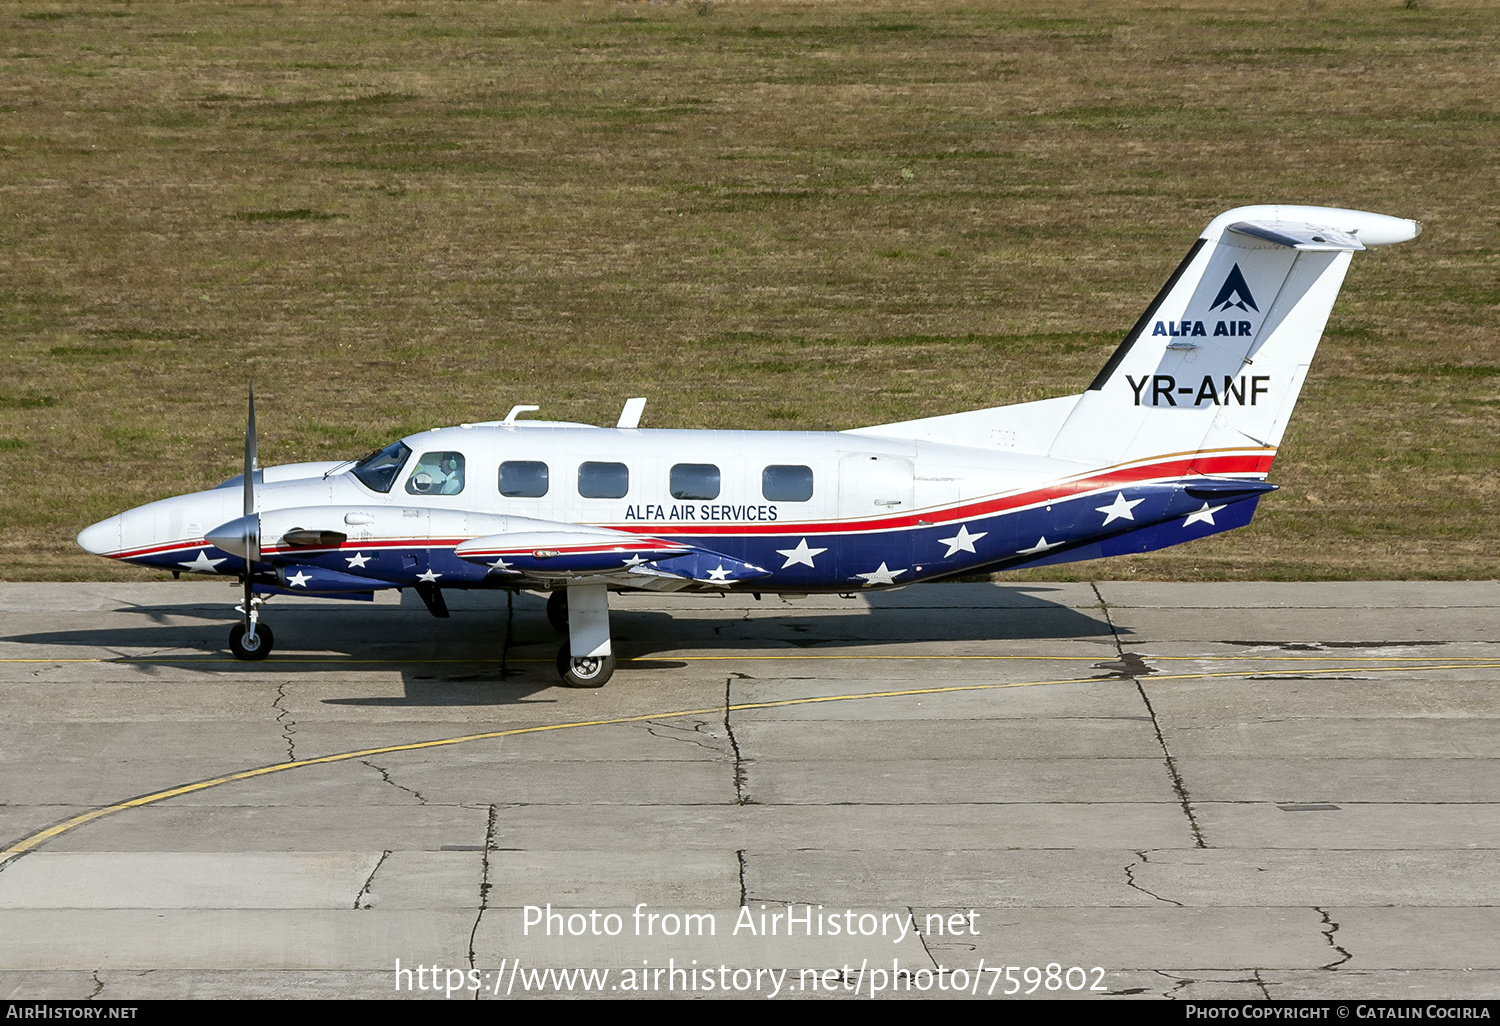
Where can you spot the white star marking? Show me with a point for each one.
(963, 541)
(636, 560)
(1119, 509)
(202, 564)
(718, 574)
(801, 554)
(429, 576)
(1206, 515)
(359, 559)
(1042, 545)
(499, 564)
(881, 576)
(299, 579)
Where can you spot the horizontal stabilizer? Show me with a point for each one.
(1226, 487)
(1298, 236)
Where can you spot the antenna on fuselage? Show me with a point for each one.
(516, 411)
(630, 416)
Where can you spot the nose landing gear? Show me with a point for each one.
(250, 639)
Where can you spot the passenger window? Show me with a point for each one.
(695, 481)
(523, 479)
(603, 480)
(437, 473)
(786, 483)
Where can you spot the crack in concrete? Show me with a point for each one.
(921, 935)
(384, 775)
(98, 986)
(739, 760)
(1333, 928)
(1303, 676)
(743, 618)
(696, 728)
(284, 720)
(484, 883)
(1178, 786)
(1178, 983)
(1181, 982)
(364, 892)
(1130, 880)
(744, 895)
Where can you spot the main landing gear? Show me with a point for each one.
(585, 660)
(250, 639)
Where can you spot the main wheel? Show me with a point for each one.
(259, 648)
(557, 610)
(587, 672)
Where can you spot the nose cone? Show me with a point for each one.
(102, 538)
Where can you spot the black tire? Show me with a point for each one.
(557, 610)
(584, 673)
(264, 642)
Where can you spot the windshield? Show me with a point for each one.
(378, 470)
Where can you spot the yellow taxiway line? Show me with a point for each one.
(335, 660)
(32, 841)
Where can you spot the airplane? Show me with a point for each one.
(1171, 442)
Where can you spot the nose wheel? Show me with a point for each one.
(249, 646)
(250, 639)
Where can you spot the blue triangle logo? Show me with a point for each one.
(1234, 292)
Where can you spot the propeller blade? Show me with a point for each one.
(250, 456)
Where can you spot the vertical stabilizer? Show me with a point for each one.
(1218, 360)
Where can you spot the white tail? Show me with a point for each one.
(1218, 359)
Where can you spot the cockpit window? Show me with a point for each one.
(437, 473)
(378, 470)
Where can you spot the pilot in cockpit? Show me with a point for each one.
(437, 473)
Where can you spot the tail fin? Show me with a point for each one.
(1218, 359)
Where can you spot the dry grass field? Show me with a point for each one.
(802, 215)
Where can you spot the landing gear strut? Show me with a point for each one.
(585, 659)
(557, 610)
(250, 639)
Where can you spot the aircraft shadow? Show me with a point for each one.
(499, 649)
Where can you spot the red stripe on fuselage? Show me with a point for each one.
(1112, 478)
